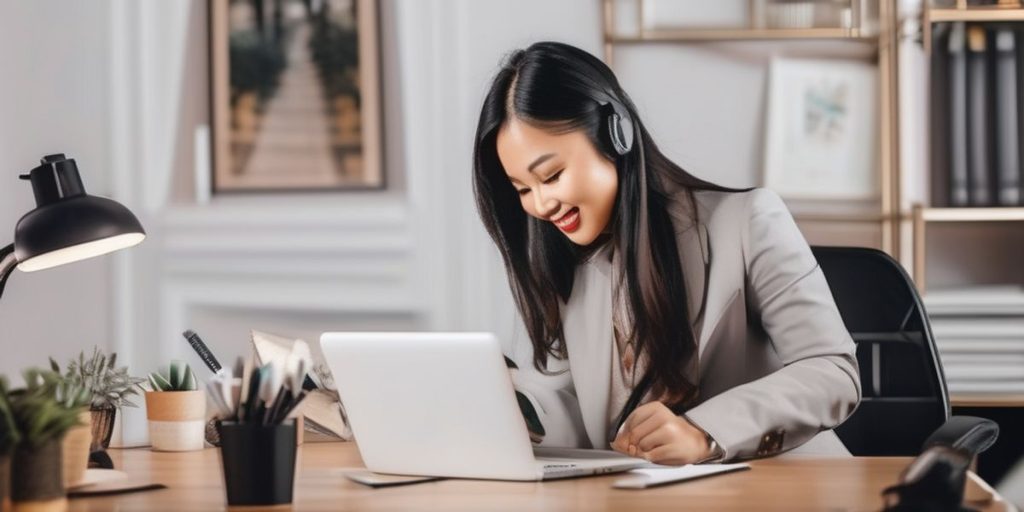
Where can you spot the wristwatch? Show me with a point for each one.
(715, 452)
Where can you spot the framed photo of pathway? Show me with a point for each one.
(295, 95)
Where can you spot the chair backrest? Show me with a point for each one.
(904, 389)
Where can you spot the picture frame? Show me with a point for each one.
(821, 120)
(295, 93)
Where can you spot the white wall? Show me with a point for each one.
(55, 97)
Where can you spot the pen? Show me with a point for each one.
(201, 349)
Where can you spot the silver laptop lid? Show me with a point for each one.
(439, 404)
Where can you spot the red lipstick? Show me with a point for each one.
(569, 222)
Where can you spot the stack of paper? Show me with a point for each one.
(979, 332)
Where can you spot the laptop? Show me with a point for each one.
(443, 404)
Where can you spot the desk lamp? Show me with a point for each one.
(67, 224)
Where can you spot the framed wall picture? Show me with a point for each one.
(820, 140)
(295, 94)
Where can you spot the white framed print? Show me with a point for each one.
(820, 129)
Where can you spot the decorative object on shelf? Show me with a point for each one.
(821, 116)
(110, 388)
(39, 423)
(296, 96)
(258, 434)
(67, 224)
(176, 410)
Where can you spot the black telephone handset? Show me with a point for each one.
(935, 480)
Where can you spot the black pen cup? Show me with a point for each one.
(259, 462)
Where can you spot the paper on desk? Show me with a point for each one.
(650, 477)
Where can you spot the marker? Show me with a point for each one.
(201, 349)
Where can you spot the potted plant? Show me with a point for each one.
(8, 440)
(71, 393)
(176, 410)
(109, 388)
(40, 423)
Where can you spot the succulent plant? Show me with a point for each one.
(36, 415)
(178, 378)
(109, 387)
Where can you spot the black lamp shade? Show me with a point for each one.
(68, 224)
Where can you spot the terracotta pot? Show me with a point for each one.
(177, 420)
(102, 428)
(76, 449)
(36, 480)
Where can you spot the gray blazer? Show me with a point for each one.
(776, 364)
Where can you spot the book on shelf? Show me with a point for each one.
(1007, 137)
(956, 359)
(993, 388)
(978, 136)
(970, 327)
(978, 115)
(984, 373)
(957, 66)
(988, 300)
(978, 346)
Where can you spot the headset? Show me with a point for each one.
(618, 121)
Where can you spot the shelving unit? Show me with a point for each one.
(1007, 12)
(883, 40)
(923, 215)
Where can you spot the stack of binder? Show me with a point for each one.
(978, 70)
(979, 332)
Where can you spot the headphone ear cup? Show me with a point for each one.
(620, 131)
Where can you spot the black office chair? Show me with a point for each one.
(905, 401)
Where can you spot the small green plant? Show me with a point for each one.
(178, 378)
(36, 415)
(108, 386)
(9, 436)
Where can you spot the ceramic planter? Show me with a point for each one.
(177, 420)
(102, 428)
(36, 483)
(76, 450)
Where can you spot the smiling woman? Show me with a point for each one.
(674, 355)
(572, 186)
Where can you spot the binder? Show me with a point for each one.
(1007, 141)
(957, 66)
(978, 133)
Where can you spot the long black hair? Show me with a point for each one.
(551, 85)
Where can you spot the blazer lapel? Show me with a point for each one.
(587, 325)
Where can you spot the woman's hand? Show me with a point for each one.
(655, 433)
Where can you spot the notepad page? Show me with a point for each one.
(649, 477)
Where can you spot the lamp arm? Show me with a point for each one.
(7, 263)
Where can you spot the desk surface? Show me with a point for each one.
(783, 483)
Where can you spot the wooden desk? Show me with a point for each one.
(781, 483)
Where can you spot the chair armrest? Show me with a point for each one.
(968, 433)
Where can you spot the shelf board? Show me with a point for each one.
(987, 400)
(977, 14)
(867, 218)
(741, 34)
(995, 214)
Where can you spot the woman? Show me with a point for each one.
(669, 318)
